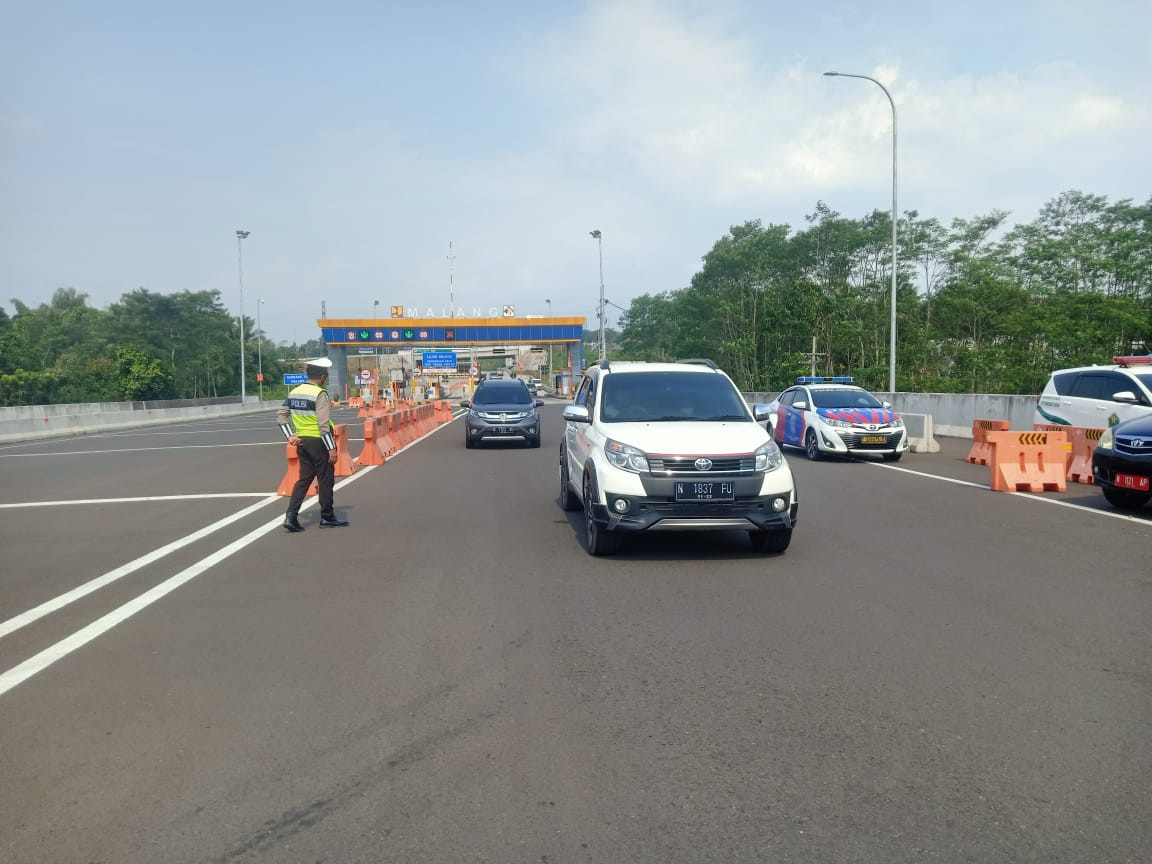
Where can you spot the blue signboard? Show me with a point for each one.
(438, 360)
(295, 377)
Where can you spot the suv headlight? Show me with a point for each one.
(768, 457)
(1105, 442)
(625, 456)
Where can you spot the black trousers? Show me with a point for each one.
(313, 463)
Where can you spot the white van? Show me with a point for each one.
(1098, 396)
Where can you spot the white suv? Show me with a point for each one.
(1098, 396)
(672, 447)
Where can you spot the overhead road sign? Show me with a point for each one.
(438, 360)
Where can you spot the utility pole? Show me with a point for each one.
(813, 356)
(451, 283)
(241, 235)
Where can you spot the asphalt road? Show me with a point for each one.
(932, 672)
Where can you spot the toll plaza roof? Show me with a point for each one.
(407, 331)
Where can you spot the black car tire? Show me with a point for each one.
(598, 540)
(770, 541)
(812, 446)
(568, 500)
(534, 442)
(893, 457)
(470, 443)
(1126, 500)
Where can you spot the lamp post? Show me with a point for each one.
(240, 235)
(259, 352)
(600, 247)
(376, 348)
(892, 336)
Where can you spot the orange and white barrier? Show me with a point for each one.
(1028, 461)
(981, 452)
(1084, 441)
(293, 474)
(372, 454)
(344, 466)
(443, 411)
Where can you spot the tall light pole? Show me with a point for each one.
(549, 302)
(892, 326)
(600, 246)
(240, 235)
(259, 353)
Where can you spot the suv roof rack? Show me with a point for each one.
(701, 361)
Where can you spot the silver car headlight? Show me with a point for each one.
(768, 457)
(897, 423)
(836, 424)
(625, 456)
(1105, 442)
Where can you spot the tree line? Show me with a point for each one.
(147, 346)
(982, 307)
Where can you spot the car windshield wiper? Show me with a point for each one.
(726, 417)
(667, 418)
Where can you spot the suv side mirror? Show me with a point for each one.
(761, 411)
(539, 403)
(1125, 396)
(577, 414)
(800, 405)
(465, 403)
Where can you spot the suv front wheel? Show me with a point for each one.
(568, 499)
(597, 538)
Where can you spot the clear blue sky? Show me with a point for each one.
(355, 140)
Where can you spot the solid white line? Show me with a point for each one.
(21, 505)
(135, 450)
(39, 662)
(26, 618)
(1032, 496)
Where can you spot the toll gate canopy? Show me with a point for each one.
(345, 336)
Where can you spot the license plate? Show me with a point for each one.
(504, 430)
(1131, 481)
(873, 439)
(696, 491)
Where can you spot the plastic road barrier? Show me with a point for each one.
(981, 452)
(1028, 461)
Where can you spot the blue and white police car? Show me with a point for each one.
(833, 416)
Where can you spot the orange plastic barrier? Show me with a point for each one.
(443, 411)
(981, 452)
(293, 474)
(355, 402)
(344, 466)
(1084, 441)
(372, 454)
(1028, 461)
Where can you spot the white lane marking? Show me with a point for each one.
(39, 662)
(145, 498)
(59, 602)
(1028, 495)
(21, 673)
(136, 449)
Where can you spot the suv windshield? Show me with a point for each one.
(670, 396)
(502, 393)
(845, 399)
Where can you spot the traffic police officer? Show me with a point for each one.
(304, 419)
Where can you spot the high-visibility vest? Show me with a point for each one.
(302, 401)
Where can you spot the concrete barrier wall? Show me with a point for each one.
(952, 413)
(31, 422)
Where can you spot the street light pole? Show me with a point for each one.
(240, 235)
(600, 247)
(892, 325)
(259, 352)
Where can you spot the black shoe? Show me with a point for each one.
(293, 526)
(332, 522)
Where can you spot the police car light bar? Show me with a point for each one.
(816, 379)
(1133, 361)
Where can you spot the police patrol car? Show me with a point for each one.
(831, 415)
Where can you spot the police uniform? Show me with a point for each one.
(305, 414)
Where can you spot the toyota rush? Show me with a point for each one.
(672, 447)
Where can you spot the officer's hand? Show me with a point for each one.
(294, 441)
(331, 457)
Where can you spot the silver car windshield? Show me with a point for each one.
(845, 399)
